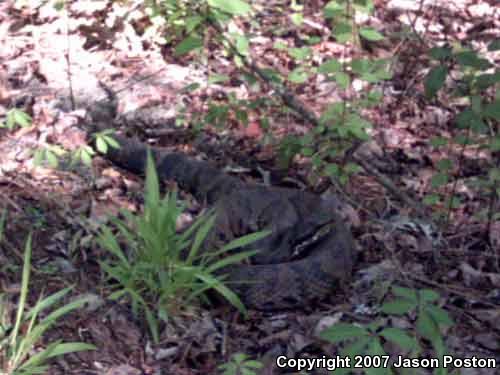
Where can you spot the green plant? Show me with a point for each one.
(477, 125)
(19, 337)
(340, 125)
(104, 139)
(367, 340)
(16, 117)
(166, 270)
(48, 155)
(240, 364)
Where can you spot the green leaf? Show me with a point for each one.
(242, 45)
(56, 349)
(398, 307)
(297, 18)
(370, 34)
(101, 145)
(24, 291)
(39, 156)
(435, 80)
(56, 314)
(187, 45)
(152, 188)
(363, 6)
(21, 117)
(332, 170)
(233, 7)
(307, 151)
(227, 293)
(51, 159)
(495, 144)
(352, 168)
(439, 179)
(431, 199)
(438, 141)
(440, 315)
(217, 78)
(330, 66)
(399, 337)
(461, 139)
(86, 157)
(343, 32)
(298, 75)
(362, 66)
(254, 364)
(465, 118)
(471, 59)
(358, 347)
(476, 104)
(357, 126)
(200, 237)
(190, 88)
(478, 126)
(494, 45)
(492, 110)
(334, 9)
(343, 80)
(427, 326)
(280, 45)
(152, 324)
(440, 53)
(484, 81)
(332, 113)
(245, 240)
(493, 175)
(47, 302)
(343, 331)
(429, 295)
(444, 164)
(36, 361)
(375, 350)
(300, 53)
(111, 141)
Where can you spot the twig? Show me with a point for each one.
(468, 297)
(385, 182)
(68, 64)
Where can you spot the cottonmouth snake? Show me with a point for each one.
(278, 277)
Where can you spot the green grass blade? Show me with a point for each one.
(231, 259)
(47, 302)
(227, 293)
(152, 189)
(56, 314)
(245, 240)
(24, 290)
(200, 236)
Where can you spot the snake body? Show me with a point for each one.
(277, 277)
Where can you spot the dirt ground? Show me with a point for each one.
(51, 66)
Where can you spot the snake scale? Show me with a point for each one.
(277, 277)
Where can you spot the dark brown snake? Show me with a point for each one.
(300, 222)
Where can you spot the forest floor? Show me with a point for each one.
(51, 66)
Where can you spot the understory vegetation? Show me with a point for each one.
(398, 115)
